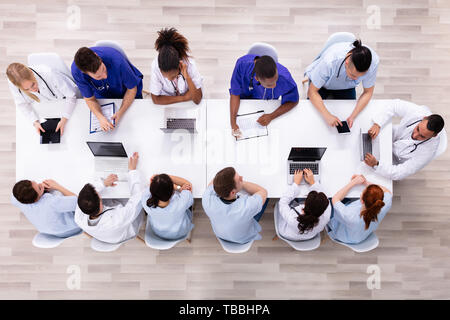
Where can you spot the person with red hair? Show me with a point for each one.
(353, 222)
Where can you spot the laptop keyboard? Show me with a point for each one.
(367, 144)
(314, 166)
(111, 166)
(178, 123)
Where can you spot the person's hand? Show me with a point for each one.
(332, 120)
(370, 160)
(50, 184)
(265, 119)
(309, 176)
(132, 163)
(358, 179)
(151, 179)
(109, 181)
(183, 69)
(38, 126)
(374, 130)
(61, 125)
(350, 122)
(298, 177)
(235, 131)
(116, 117)
(105, 124)
(186, 186)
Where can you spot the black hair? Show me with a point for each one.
(435, 123)
(265, 67)
(88, 200)
(361, 56)
(24, 192)
(172, 48)
(87, 61)
(315, 205)
(161, 189)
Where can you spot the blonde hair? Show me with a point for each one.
(17, 73)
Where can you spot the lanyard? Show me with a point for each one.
(177, 92)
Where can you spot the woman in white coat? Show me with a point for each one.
(32, 85)
(303, 221)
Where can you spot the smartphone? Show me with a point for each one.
(344, 128)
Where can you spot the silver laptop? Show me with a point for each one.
(111, 158)
(173, 124)
(367, 145)
(304, 158)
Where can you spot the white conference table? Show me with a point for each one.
(198, 157)
(263, 160)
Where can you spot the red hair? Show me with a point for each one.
(373, 201)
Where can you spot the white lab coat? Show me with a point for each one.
(287, 217)
(62, 86)
(405, 162)
(122, 222)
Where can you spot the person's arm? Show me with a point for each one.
(128, 99)
(179, 181)
(265, 119)
(235, 101)
(194, 93)
(317, 102)
(356, 179)
(362, 102)
(53, 185)
(368, 183)
(253, 188)
(163, 100)
(94, 106)
(405, 169)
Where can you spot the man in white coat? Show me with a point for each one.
(415, 140)
(109, 220)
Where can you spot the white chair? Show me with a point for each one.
(336, 38)
(232, 247)
(367, 245)
(101, 246)
(263, 49)
(51, 60)
(111, 44)
(442, 143)
(301, 245)
(47, 241)
(155, 242)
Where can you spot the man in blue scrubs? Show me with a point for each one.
(336, 73)
(104, 73)
(257, 77)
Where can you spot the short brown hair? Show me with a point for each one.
(24, 192)
(87, 61)
(224, 183)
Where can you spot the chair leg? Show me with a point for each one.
(89, 236)
(275, 238)
(145, 92)
(139, 237)
(305, 80)
(189, 237)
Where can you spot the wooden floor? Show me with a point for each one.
(413, 42)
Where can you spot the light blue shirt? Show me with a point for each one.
(324, 72)
(233, 222)
(348, 226)
(173, 221)
(52, 214)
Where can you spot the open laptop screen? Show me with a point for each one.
(107, 149)
(306, 153)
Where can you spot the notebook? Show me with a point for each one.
(249, 126)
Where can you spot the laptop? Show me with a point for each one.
(304, 158)
(111, 158)
(173, 124)
(367, 145)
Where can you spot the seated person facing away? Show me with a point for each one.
(104, 73)
(415, 140)
(110, 220)
(48, 206)
(337, 72)
(257, 77)
(234, 217)
(174, 76)
(168, 208)
(32, 85)
(354, 222)
(303, 221)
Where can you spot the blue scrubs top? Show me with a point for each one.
(240, 83)
(122, 75)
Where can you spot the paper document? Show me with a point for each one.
(249, 126)
(107, 110)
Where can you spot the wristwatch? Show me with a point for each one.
(375, 166)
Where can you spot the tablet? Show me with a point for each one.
(344, 128)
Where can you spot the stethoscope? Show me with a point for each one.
(99, 88)
(48, 87)
(339, 71)
(98, 215)
(415, 144)
(250, 87)
(177, 92)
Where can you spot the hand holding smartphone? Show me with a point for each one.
(344, 129)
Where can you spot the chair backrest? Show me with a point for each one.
(50, 59)
(442, 143)
(111, 44)
(370, 243)
(263, 49)
(336, 38)
(155, 242)
(46, 241)
(232, 247)
(101, 246)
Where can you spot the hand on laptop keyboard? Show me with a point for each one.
(110, 180)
